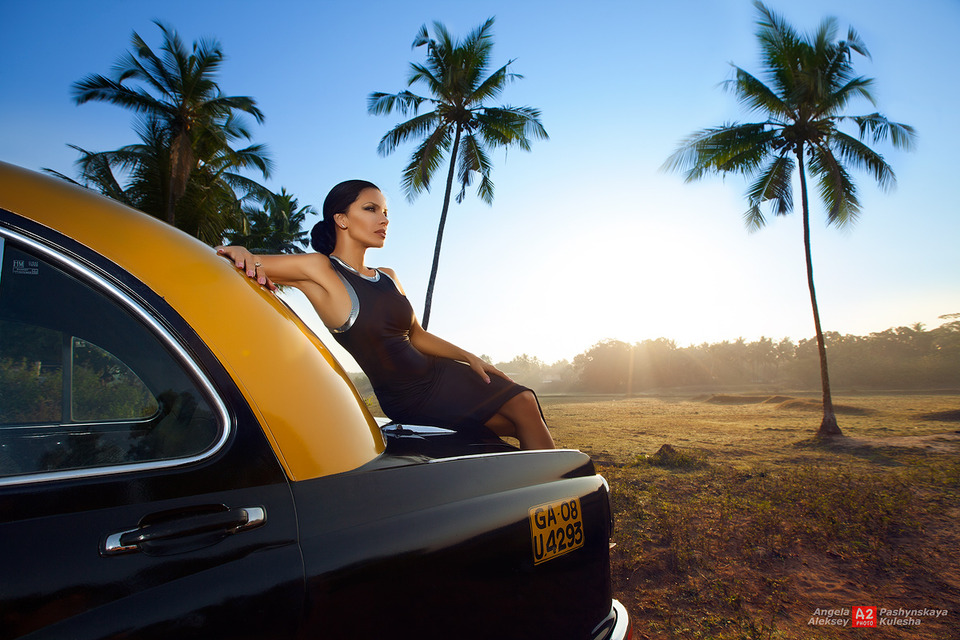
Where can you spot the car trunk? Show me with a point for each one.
(495, 545)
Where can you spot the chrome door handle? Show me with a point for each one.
(229, 522)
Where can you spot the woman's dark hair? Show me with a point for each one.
(323, 236)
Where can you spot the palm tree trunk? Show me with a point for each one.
(828, 426)
(428, 302)
(181, 163)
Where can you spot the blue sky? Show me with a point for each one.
(587, 239)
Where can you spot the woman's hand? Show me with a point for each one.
(484, 369)
(248, 262)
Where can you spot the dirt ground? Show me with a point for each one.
(946, 443)
(912, 579)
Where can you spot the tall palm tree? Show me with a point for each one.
(459, 125)
(810, 80)
(177, 91)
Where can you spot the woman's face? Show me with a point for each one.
(366, 218)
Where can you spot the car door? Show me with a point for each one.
(138, 494)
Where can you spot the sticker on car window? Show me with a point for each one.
(26, 267)
(556, 528)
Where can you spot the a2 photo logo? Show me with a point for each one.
(864, 617)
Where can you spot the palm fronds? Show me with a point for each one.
(190, 166)
(460, 127)
(806, 84)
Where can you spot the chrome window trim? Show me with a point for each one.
(80, 425)
(218, 407)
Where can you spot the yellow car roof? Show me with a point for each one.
(316, 422)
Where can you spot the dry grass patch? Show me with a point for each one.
(942, 416)
(724, 398)
(805, 404)
(744, 524)
(786, 402)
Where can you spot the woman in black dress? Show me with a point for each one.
(418, 377)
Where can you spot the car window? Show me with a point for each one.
(83, 382)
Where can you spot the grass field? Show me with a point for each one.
(746, 527)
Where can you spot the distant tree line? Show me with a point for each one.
(901, 358)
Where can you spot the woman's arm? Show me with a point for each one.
(271, 270)
(426, 342)
(311, 273)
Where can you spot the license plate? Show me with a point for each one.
(556, 528)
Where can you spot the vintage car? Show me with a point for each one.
(181, 457)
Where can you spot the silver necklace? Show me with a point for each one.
(341, 262)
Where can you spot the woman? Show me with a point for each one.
(418, 377)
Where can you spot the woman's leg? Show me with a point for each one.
(520, 417)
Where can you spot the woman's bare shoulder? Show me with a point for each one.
(390, 273)
(296, 268)
(313, 260)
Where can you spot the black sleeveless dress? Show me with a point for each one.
(412, 387)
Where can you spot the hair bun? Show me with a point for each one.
(323, 238)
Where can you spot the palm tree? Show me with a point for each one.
(177, 92)
(214, 191)
(809, 82)
(276, 227)
(216, 185)
(460, 125)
